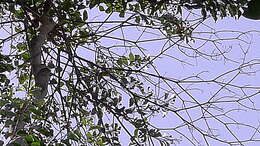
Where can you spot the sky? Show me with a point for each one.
(241, 51)
(244, 51)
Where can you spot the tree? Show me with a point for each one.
(72, 81)
(252, 11)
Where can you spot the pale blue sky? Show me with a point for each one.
(211, 69)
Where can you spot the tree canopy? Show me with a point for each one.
(69, 78)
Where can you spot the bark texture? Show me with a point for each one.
(40, 71)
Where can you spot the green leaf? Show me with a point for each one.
(94, 127)
(3, 102)
(131, 101)
(124, 60)
(72, 136)
(101, 8)
(19, 14)
(36, 117)
(46, 132)
(77, 132)
(53, 81)
(36, 143)
(15, 144)
(23, 78)
(1, 142)
(119, 62)
(51, 65)
(104, 74)
(36, 111)
(137, 7)
(80, 7)
(253, 10)
(16, 62)
(136, 133)
(3, 78)
(21, 132)
(109, 10)
(179, 10)
(6, 67)
(93, 3)
(84, 122)
(26, 56)
(58, 69)
(29, 138)
(21, 46)
(131, 57)
(67, 4)
(137, 19)
(85, 15)
(204, 13)
(122, 14)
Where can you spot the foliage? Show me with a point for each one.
(96, 91)
(252, 11)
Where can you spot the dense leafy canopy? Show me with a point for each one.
(90, 100)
